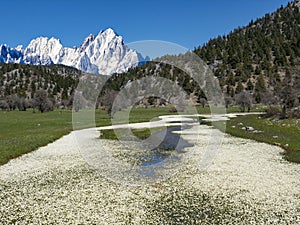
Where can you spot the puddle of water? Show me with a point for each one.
(169, 142)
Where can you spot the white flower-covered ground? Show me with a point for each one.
(248, 183)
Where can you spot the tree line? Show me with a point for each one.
(261, 59)
(41, 87)
(258, 63)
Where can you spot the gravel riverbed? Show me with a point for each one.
(247, 183)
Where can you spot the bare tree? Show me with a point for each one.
(203, 102)
(269, 99)
(244, 100)
(22, 104)
(12, 102)
(78, 101)
(64, 104)
(289, 93)
(31, 103)
(4, 105)
(228, 101)
(107, 101)
(42, 101)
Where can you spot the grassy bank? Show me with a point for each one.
(23, 132)
(284, 133)
(111, 135)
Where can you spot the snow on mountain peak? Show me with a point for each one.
(87, 42)
(10, 55)
(104, 53)
(19, 48)
(43, 51)
(108, 32)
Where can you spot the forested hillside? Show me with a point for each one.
(258, 63)
(257, 57)
(19, 84)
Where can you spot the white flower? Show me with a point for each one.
(248, 183)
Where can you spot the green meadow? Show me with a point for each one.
(23, 132)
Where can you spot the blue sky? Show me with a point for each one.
(189, 23)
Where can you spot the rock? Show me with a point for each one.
(257, 131)
(250, 128)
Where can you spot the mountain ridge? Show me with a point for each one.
(261, 59)
(256, 57)
(104, 53)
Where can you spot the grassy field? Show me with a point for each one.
(140, 133)
(23, 132)
(284, 133)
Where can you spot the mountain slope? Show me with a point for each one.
(258, 56)
(24, 80)
(105, 53)
(262, 58)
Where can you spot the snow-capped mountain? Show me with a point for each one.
(105, 53)
(11, 55)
